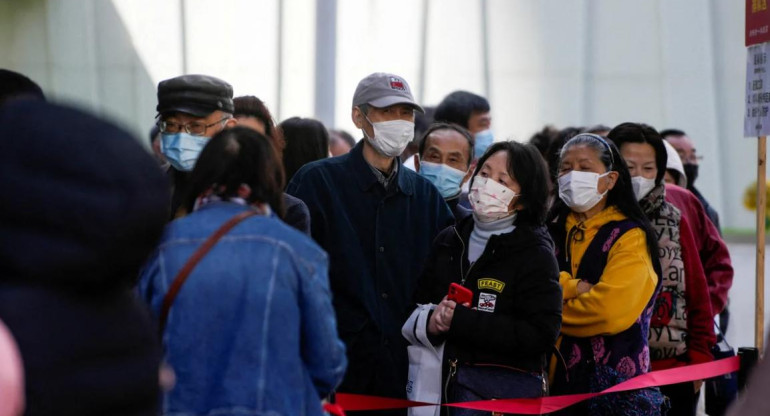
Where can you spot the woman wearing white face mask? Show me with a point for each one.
(496, 344)
(681, 329)
(609, 279)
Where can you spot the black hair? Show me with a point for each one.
(14, 85)
(236, 156)
(642, 133)
(528, 168)
(307, 140)
(251, 106)
(596, 129)
(620, 196)
(154, 130)
(459, 106)
(671, 132)
(542, 140)
(345, 136)
(446, 126)
(554, 150)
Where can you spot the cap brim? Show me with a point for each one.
(393, 100)
(191, 110)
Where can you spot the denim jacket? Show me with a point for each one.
(252, 331)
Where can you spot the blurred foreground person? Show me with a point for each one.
(252, 331)
(85, 206)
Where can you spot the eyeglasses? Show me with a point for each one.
(195, 128)
(690, 159)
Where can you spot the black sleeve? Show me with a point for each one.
(536, 325)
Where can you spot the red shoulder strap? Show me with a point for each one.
(188, 267)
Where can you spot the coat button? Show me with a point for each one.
(384, 295)
(382, 249)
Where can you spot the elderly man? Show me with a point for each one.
(377, 221)
(191, 109)
(445, 155)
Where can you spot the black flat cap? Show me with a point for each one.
(198, 95)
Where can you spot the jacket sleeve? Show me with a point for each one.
(322, 351)
(716, 262)
(302, 186)
(619, 298)
(700, 327)
(534, 330)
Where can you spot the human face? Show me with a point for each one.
(375, 115)
(583, 158)
(495, 168)
(252, 123)
(216, 121)
(479, 121)
(640, 158)
(447, 147)
(686, 149)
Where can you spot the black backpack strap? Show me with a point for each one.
(599, 248)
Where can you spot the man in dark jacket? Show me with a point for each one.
(444, 158)
(84, 205)
(377, 221)
(191, 109)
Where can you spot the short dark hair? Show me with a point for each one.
(459, 106)
(671, 132)
(236, 156)
(251, 106)
(542, 139)
(554, 150)
(15, 85)
(446, 126)
(345, 136)
(526, 165)
(307, 140)
(642, 133)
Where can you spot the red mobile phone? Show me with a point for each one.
(459, 294)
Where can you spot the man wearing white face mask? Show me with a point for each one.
(445, 155)
(376, 220)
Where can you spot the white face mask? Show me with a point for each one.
(490, 200)
(642, 186)
(391, 137)
(578, 190)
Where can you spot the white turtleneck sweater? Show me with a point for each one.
(482, 231)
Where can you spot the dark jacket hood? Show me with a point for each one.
(82, 202)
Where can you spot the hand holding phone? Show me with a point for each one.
(459, 294)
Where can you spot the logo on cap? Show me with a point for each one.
(397, 84)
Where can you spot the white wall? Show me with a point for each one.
(581, 62)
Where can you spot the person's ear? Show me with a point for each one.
(358, 117)
(231, 122)
(612, 177)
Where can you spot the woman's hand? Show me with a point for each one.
(583, 287)
(441, 318)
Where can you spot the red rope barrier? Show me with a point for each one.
(553, 403)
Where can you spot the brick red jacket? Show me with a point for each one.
(711, 248)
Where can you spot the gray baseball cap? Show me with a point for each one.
(381, 89)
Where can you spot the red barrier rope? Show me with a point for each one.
(550, 404)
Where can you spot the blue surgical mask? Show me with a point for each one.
(445, 178)
(182, 149)
(483, 140)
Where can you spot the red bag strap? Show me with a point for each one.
(188, 267)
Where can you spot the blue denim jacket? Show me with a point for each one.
(252, 331)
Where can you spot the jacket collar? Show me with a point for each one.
(610, 213)
(366, 178)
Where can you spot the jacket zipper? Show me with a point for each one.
(463, 275)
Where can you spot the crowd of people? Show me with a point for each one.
(250, 267)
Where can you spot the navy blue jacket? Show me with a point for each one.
(377, 240)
